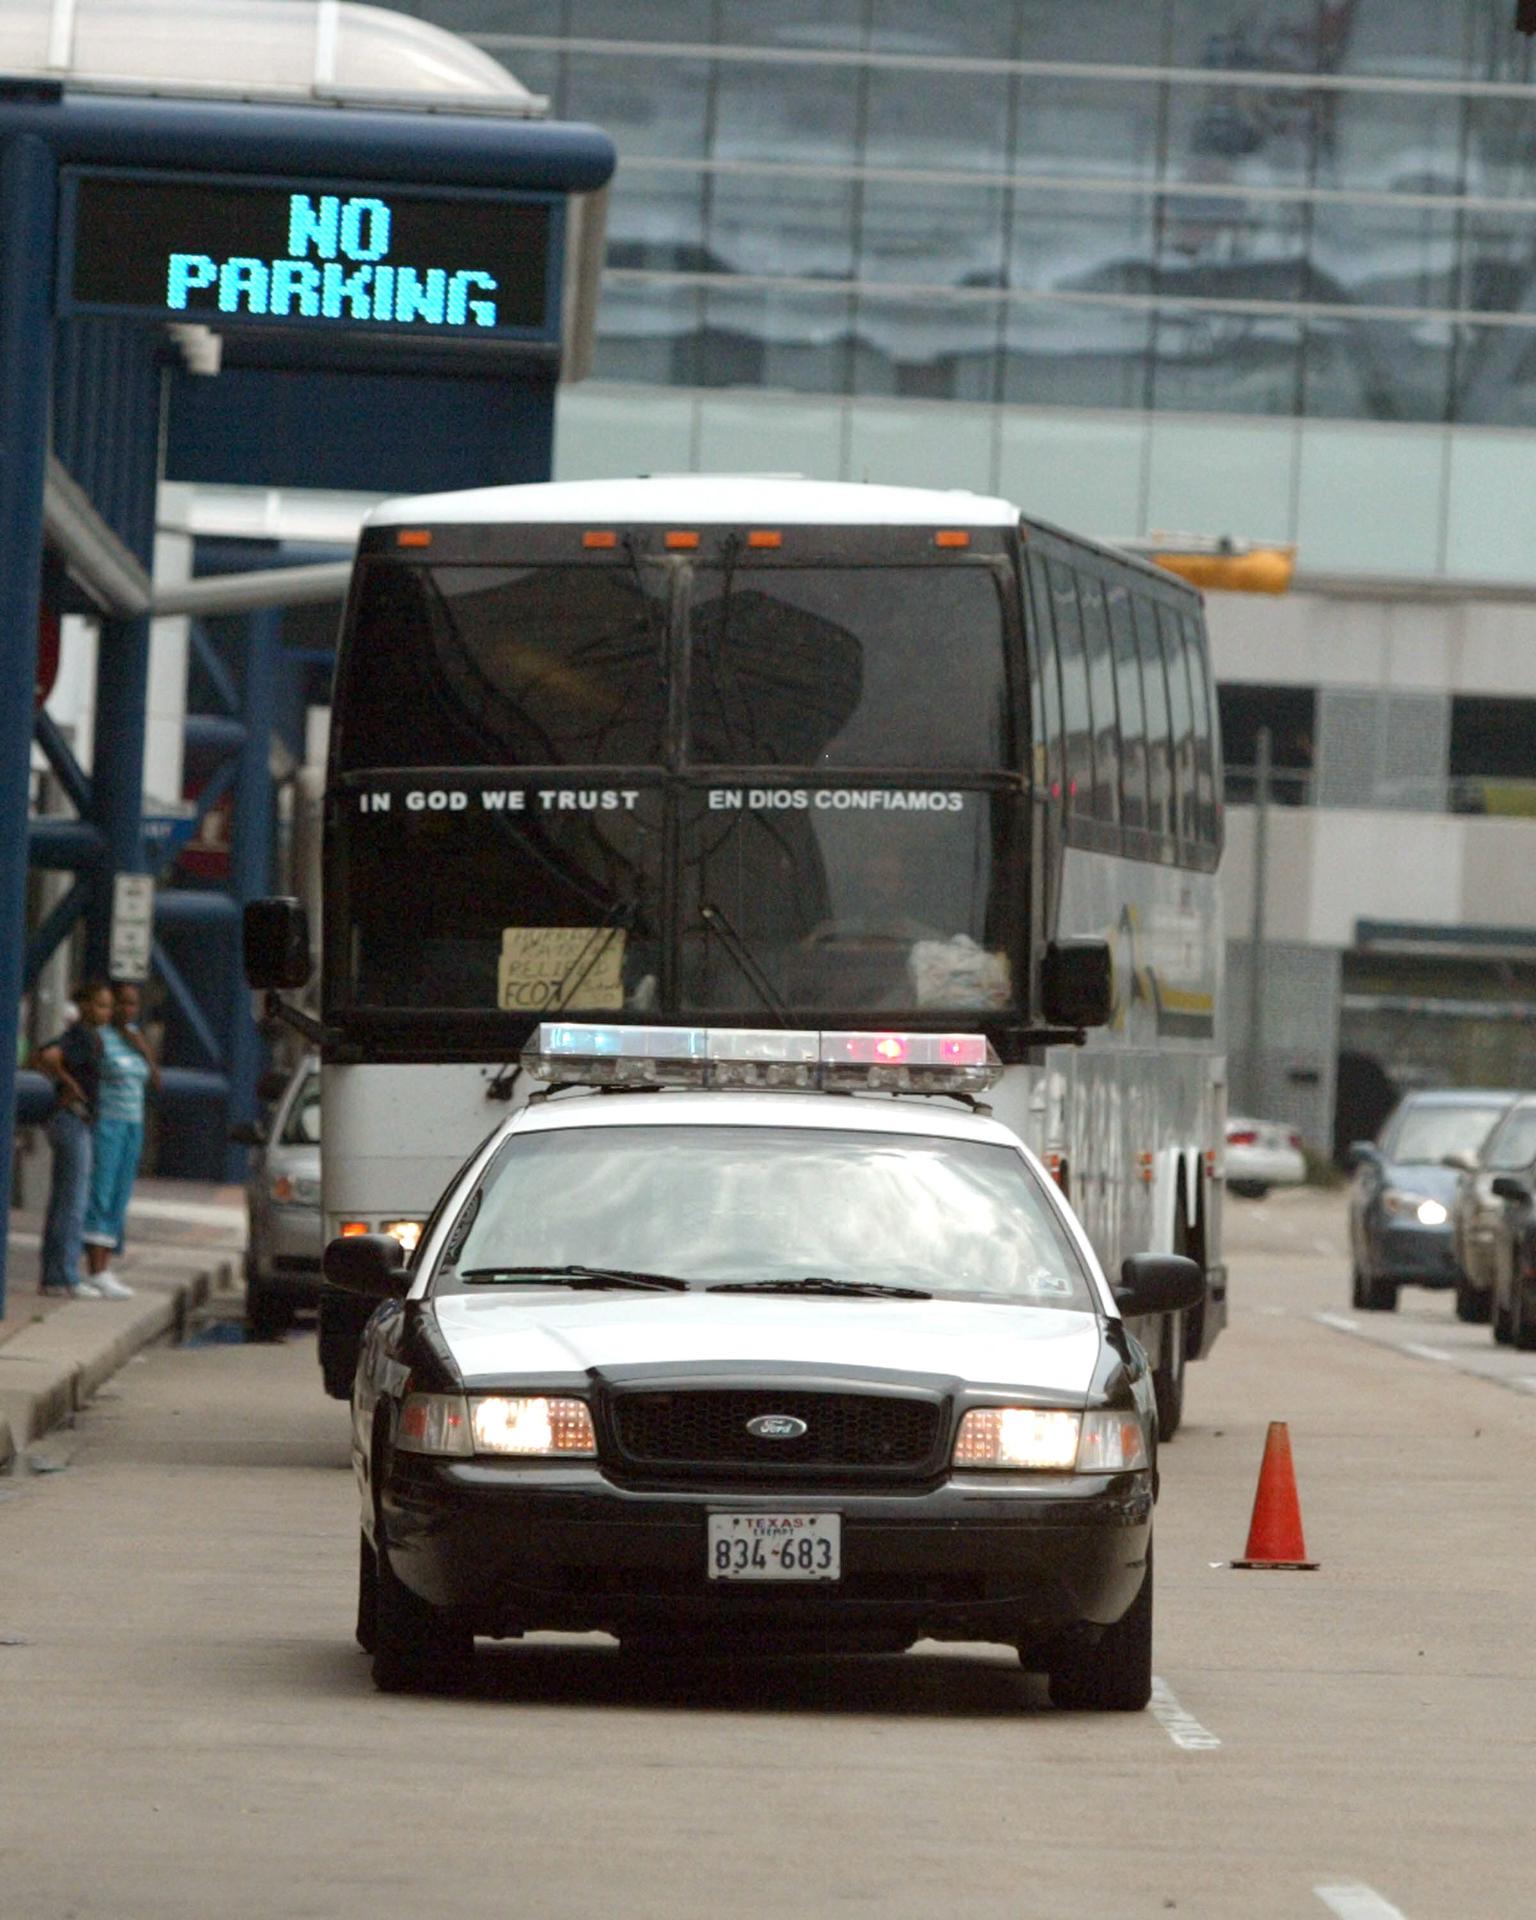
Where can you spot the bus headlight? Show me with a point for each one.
(1051, 1440)
(407, 1232)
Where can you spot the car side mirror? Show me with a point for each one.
(1159, 1283)
(1362, 1153)
(248, 1133)
(1507, 1187)
(1460, 1162)
(1077, 983)
(368, 1264)
(276, 944)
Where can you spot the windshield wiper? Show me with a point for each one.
(819, 1283)
(574, 1276)
(716, 920)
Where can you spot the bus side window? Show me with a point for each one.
(1154, 690)
(1196, 653)
(1101, 697)
(1181, 714)
(1044, 680)
(1076, 714)
(1133, 744)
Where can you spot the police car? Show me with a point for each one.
(725, 1340)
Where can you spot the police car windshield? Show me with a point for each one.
(713, 1204)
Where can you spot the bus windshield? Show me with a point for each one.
(678, 788)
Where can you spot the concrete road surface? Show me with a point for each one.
(187, 1731)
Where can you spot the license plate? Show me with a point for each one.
(775, 1546)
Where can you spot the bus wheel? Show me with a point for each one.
(1168, 1378)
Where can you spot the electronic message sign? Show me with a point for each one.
(308, 254)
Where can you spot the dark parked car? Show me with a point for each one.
(1482, 1217)
(1400, 1203)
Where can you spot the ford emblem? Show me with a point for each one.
(777, 1426)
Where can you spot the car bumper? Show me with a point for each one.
(286, 1253)
(1415, 1256)
(511, 1548)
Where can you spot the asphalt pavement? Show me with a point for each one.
(187, 1728)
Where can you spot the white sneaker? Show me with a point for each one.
(109, 1287)
(88, 1287)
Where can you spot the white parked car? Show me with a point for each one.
(1262, 1154)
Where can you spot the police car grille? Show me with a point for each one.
(709, 1428)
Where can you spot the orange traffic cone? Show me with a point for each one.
(1274, 1534)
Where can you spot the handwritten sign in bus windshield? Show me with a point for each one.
(577, 969)
(301, 254)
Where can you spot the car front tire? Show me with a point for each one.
(1472, 1306)
(1522, 1319)
(1114, 1675)
(416, 1648)
(266, 1317)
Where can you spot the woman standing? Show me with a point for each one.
(126, 1071)
(73, 1063)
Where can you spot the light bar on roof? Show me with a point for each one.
(581, 1052)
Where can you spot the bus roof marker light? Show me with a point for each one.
(413, 537)
(765, 537)
(600, 539)
(680, 542)
(952, 537)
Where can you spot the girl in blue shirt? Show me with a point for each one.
(126, 1072)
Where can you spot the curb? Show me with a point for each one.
(48, 1372)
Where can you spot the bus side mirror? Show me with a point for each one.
(1077, 983)
(276, 944)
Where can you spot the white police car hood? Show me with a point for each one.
(502, 1335)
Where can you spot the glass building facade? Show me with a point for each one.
(1272, 211)
(1319, 207)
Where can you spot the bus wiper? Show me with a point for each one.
(714, 918)
(819, 1283)
(580, 1277)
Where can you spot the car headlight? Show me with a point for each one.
(1414, 1206)
(295, 1190)
(529, 1424)
(1051, 1440)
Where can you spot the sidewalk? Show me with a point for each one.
(185, 1240)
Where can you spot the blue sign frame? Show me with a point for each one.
(342, 279)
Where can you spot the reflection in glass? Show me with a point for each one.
(794, 112)
(1239, 134)
(1083, 242)
(447, 909)
(869, 667)
(1154, 693)
(1388, 142)
(799, 227)
(679, 20)
(765, 337)
(1092, 30)
(901, 899)
(922, 235)
(1501, 148)
(656, 221)
(1496, 376)
(938, 119)
(928, 347)
(1075, 355)
(1101, 698)
(1383, 256)
(942, 27)
(1228, 247)
(651, 106)
(1499, 262)
(719, 1204)
(1378, 369)
(1216, 362)
(649, 330)
(1064, 125)
(1072, 664)
(834, 25)
(1133, 742)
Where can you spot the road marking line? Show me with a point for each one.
(1182, 1728)
(1427, 1353)
(1340, 1320)
(1350, 1900)
(1525, 1381)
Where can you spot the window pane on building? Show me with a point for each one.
(940, 118)
(649, 105)
(1214, 362)
(793, 112)
(927, 346)
(1228, 247)
(1066, 354)
(681, 20)
(1084, 242)
(648, 331)
(767, 337)
(942, 27)
(827, 24)
(656, 221)
(1092, 30)
(1378, 369)
(795, 227)
(1384, 256)
(921, 235)
(1065, 125)
(1241, 134)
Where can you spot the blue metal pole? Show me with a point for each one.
(28, 215)
(250, 857)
